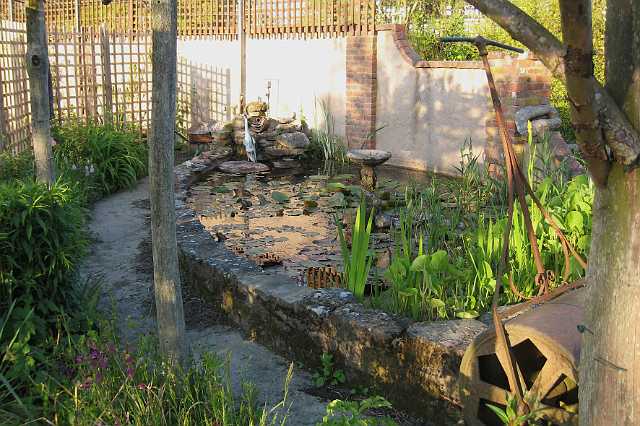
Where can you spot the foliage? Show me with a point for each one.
(111, 384)
(509, 415)
(449, 241)
(112, 157)
(328, 374)
(41, 242)
(425, 31)
(18, 166)
(358, 260)
(325, 144)
(353, 413)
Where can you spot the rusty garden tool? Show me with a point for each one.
(517, 186)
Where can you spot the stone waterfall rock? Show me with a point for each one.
(293, 142)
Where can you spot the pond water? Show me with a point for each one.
(285, 220)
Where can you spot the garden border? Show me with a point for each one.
(414, 364)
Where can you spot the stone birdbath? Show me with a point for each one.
(368, 160)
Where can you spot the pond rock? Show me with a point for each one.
(243, 167)
(292, 141)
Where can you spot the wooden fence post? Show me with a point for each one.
(243, 55)
(107, 89)
(76, 10)
(11, 11)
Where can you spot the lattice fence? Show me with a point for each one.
(96, 75)
(211, 18)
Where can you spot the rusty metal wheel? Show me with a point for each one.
(546, 345)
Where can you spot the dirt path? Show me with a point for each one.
(121, 257)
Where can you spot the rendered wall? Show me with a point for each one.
(427, 113)
(302, 73)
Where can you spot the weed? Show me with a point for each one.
(328, 375)
(353, 413)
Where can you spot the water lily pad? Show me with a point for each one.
(471, 314)
(279, 197)
(336, 186)
(337, 200)
(344, 176)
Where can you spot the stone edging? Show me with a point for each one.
(414, 364)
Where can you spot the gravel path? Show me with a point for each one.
(120, 257)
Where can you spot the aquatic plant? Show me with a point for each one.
(449, 239)
(358, 259)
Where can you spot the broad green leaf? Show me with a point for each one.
(419, 263)
(467, 314)
(279, 197)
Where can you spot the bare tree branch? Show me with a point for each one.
(620, 136)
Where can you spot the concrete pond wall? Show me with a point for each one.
(414, 364)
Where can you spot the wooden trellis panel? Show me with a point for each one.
(213, 18)
(15, 106)
(203, 94)
(101, 76)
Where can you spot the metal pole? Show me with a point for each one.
(243, 56)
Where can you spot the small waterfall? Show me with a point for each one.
(249, 143)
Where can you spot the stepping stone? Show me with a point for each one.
(243, 167)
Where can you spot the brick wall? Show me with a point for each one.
(361, 91)
(520, 82)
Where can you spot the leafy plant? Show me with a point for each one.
(328, 374)
(449, 240)
(353, 413)
(18, 166)
(111, 157)
(41, 241)
(358, 260)
(325, 144)
(509, 415)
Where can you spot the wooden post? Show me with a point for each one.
(38, 69)
(243, 55)
(11, 11)
(107, 88)
(76, 10)
(166, 273)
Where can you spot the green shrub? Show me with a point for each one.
(19, 166)
(41, 241)
(112, 157)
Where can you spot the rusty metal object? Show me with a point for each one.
(545, 342)
(267, 259)
(323, 277)
(518, 187)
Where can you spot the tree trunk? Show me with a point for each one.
(166, 274)
(38, 69)
(609, 363)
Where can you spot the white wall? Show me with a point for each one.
(301, 72)
(428, 112)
